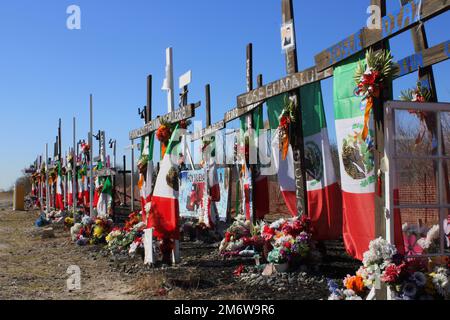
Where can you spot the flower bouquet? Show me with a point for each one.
(129, 238)
(240, 240)
(408, 279)
(287, 241)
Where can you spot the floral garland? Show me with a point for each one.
(408, 279)
(287, 117)
(370, 77)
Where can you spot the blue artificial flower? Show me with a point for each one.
(332, 285)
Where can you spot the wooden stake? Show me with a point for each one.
(297, 128)
(250, 126)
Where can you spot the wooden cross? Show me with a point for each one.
(183, 113)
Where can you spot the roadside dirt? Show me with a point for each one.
(36, 268)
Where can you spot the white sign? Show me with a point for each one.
(185, 79)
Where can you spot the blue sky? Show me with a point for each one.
(47, 71)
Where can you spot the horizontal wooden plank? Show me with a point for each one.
(105, 172)
(281, 86)
(208, 131)
(183, 113)
(403, 67)
(392, 24)
(237, 112)
(422, 59)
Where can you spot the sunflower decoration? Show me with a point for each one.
(370, 77)
(286, 118)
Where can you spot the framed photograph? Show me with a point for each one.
(287, 36)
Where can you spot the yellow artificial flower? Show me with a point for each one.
(98, 231)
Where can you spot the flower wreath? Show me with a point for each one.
(287, 117)
(418, 94)
(370, 76)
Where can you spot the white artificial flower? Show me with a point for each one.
(335, 296)
(440, 282)
(138, 226)
(133, 248)
(74, 231)
(433, 234)
(277, 224)
(148, 207)
(380, 251)
(86, 220)
(354, 298)
(424, 243)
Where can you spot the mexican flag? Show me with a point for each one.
(59, 190)
(83, 187)
(324, 194)
(70, 188)
(164, 210)
(97, 184)
(261, 184)
(357, 164)
(356, 160)
(212, 193)
(145, 183)
(105, 198)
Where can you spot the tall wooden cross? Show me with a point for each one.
(297, 141)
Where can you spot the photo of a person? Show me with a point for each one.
(287, 36)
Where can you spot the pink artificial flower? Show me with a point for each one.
(412, 248)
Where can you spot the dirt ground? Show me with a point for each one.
(36, 268)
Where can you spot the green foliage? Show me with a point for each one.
(380, 61)
(408, 95)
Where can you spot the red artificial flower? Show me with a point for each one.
(237, 272)
(227, 236)
(287, 229)
(287, 245)
(268, 233)
(284, 122)
(393, 273)
(371, 78)
(183, 124)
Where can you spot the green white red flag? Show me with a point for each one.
(324, 194)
